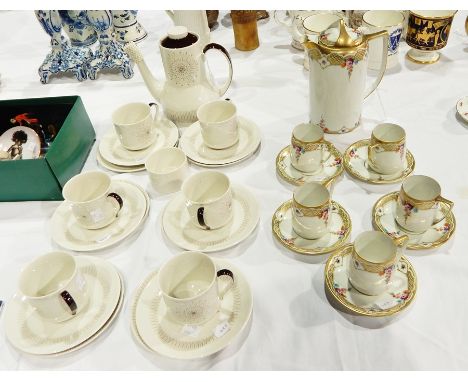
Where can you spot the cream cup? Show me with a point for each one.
(208, 198)
(387, 149)
(308, 148)
(167, 169)
(218, 121)
(189, 284)
(134, 125)
(54, 286)
(418, 204)
(94, 205)
(373, 261)
(390, 21)
(311, 208)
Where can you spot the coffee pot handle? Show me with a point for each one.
(383, 64)
(213, 45)
(449, 205)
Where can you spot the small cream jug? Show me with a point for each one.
(337, 76)
(188, 84)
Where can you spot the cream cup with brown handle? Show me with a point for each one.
(218, 122)
(191, 288)
(54, 286)
(134, 124)
(311, 209)
(167, 169)
(374, 260)
(308, 148)
(417, 208)
(208, 198)
(93, 203)
(387, 149)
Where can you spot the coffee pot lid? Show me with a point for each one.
(338, 35)
(177, 32)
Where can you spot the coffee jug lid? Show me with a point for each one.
(338, 35)
(177, 32)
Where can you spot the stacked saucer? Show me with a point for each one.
(156, 330)
(193, 145)
(30, 332)
(113, 156)
(70, 234)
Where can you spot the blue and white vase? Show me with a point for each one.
(109, 54)
(77, 28)
(126, 26)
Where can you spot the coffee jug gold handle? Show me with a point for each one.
(221, 90)
(383, 64)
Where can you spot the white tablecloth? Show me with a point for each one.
(293, 325)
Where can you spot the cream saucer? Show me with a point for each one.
(67, 233)
(113, 152)
(113, 167)
(332, 168)
(355, 162)
(192, 144)
(29, 332)
(170, 339)
(339, 231)
(383, 218)
(400, 295)
(462, 108)
(182, 232)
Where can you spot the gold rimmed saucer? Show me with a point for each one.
(400, 295)
(355, 163)
(339, 231)
(383, 219)
(332, 168)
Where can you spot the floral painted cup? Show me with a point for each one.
(374, 259)
(311, 209)
(308, 148)
(418, 204)
(387, 149)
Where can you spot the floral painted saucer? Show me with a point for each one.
(401, 292)
(383, 218)
(182, 232)
(67, 233)
(339, 231)
(462, 108)
(355, 163)
(110, 148)
(29, 332)
(332, 168)
(192, 145)
(154, 330)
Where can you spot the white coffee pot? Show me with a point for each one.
(188, 82)
(194, 21)
(337, 79)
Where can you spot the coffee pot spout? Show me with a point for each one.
(154, 86)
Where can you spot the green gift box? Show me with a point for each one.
(66, 136)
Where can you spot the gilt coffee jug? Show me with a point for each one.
(337, 76)
(189, 82)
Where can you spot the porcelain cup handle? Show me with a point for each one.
(220, 48)
(383, 65)
(116, 198)
(157, 116)
(449, 205)
(283, 21)
(225, 272)
(68, 299)
(326, 150)
(201, 218)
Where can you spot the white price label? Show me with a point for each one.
(221, 329)
(190, 330)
